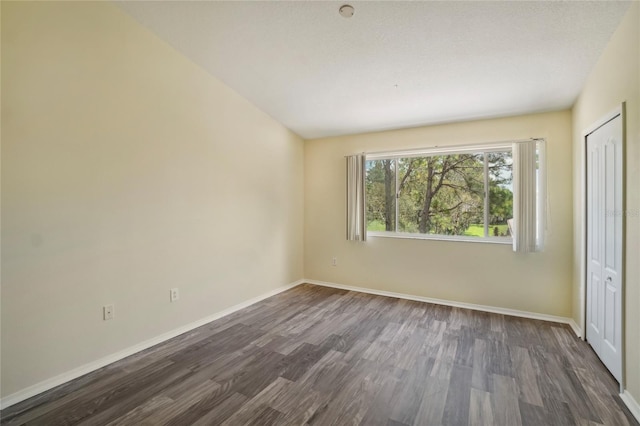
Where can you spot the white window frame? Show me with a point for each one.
(436, 151)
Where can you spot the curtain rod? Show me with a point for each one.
(428, 148)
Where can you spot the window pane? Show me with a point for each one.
(500, 192)
(458, 208)
(381, 195)
(442, 195)
(411, 184)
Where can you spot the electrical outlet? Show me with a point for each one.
(174, 294)
(334, 261)
(107, 312)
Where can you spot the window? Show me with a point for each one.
(463, 193)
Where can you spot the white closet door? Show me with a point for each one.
(604, 243)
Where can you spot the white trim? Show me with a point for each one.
(476, 149)
(437, 237)
(47, 384)
(619, 110)
(445, 149)
(576, 328)
(603, 120)
(473, 306)
(631, 404)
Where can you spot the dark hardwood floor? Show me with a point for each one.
(322, 356)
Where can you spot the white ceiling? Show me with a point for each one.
(393, 64)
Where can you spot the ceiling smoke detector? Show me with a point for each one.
(346, 11)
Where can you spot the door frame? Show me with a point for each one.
(621, 111)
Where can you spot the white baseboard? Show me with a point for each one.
(576, 328)
(631, 404)
(473, 306)
(45, 385)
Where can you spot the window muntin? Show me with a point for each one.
(453, 195)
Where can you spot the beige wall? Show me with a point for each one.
(615, 79)
(477, 273)
(128, 170)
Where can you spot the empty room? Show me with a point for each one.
(320, 213)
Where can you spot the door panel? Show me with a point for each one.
(610, 324)
(594, 266)
(610, 208)
(594, 323)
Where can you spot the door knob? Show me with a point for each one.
(609, 279)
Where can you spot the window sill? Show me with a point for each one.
(490, 240)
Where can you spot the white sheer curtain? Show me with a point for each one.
(528, 197)
(356, 221)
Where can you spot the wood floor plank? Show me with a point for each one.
(141, 412)
(525, 376)
(211, 412)
(433, 401)
(325, 375)
(532, 415)
(558, 412)
(258, 374)
(464, 350)
(350, 404)
(456, 408)
(409, 349)
(410, 391)
(265, 417)
(302, 359)
(497, 323)
(322, 356)
(500, 358)
(258, 406)
(181, 404)
(480, 377)
(480, 412)
(504, 402)
(384, 401)
(443, 362)
(435, 335)
(298, 403)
